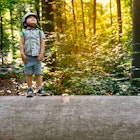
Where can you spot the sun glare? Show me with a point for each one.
(103, 1)
(99, 1)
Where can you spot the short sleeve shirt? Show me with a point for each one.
(32, 41)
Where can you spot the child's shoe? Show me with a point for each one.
(41, 92)
(30, 92)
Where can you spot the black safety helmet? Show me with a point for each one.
(23, 20)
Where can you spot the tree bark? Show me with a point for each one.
(136, 44)
(1, 36)
(94, 17)
(119, 19)
(47, 16)
(59, 19)
(83, 21)
(74, 17)
(110, 5)
(11, 20)
(37, 7)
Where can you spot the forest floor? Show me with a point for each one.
(9, 87)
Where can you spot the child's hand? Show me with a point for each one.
(40, 57)
(23, 56)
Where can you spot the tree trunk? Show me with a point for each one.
(47, 16)
(1, 36)
(11, 19)
(83, 21)
(136, 44)
(37, 7)
(111, 21)
(65, 14)
(59, 20)
(48, 28)
(94, 17)
(119, 19)
(74, 17)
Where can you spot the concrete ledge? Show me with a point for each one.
(70, 118)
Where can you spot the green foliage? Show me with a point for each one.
(76, 64)
(101, 85)
(77, 59)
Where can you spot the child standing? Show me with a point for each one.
(32, 46)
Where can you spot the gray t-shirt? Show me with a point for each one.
(32, 41)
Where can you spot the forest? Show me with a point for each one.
(88, 46)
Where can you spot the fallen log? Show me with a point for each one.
(70, 118)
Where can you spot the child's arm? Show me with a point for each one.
(42, 49)
(23, 56)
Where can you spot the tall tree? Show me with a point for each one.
(37, 8)
(83, 21)
(94, 16)
(110, 5)
(119, 18)
(11, 20)
(48, 28)
(136, 44)
(74, 16)
(58, 11)
(1, 34)
(47, 16)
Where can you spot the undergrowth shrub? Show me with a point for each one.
(91, 67)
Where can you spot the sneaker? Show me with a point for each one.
(30, 92)
(41, 92)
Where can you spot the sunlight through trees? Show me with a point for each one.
(88, 44)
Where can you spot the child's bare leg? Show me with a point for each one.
(39, 80)
(29, 80)
(39, 84)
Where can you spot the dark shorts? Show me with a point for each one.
(32, 66)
